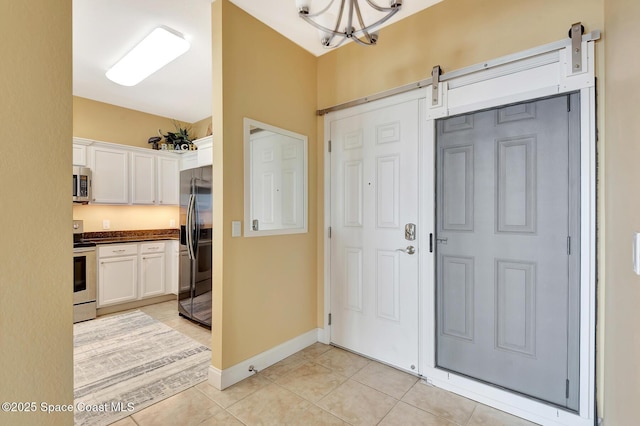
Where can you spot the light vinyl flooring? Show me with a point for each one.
(320, 385)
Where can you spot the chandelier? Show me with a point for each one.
(348, 23)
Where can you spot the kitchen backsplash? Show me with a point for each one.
(124, 218)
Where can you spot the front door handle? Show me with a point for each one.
(408, 250)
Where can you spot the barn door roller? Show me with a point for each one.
(575, 34)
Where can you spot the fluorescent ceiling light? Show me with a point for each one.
(159, 48)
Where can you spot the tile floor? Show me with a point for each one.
(320, 385)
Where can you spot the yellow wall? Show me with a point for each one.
(266, 286)
(126, 218)
(200, 128)
(622, 337)
(36, 334)
(110, 123)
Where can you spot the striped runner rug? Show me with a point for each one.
(127, 362)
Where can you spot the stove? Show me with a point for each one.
(84, 276)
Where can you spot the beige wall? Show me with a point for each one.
(201, 128)
(622, 288)
(264, 287)
(126, 218)
(110, 123)
(36, 334)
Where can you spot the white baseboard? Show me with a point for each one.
(222, 379)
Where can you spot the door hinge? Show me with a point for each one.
(567, 390)
(329, 232)
(568, 103)
(569, 246)
(431, 243)
(329, 145)
(329, 319)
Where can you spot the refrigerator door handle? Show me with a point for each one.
(190, 226)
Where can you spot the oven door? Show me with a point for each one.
(84, 276)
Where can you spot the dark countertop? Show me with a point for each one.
(136, 236)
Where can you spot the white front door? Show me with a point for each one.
(374, 210)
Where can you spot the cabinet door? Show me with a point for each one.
(117, 280)
(143, 178)
(172, 253)
(168, 181)
(110, 184)
(79, 155)
(152, 273)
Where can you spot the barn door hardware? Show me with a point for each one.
(575, 34)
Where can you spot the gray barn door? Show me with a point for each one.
(507, 247)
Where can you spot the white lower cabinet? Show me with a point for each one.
(152, 269)
(134, 271)
(117, 274)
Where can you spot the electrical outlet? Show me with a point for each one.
(172, 223)
(106, 224)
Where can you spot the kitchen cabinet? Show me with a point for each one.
(130, 175)
(117, 274)
(168, 178)
(80, 147)
(172, 256)
(203, 156)
(152, 269)
(110, 169)
(143, 178)
(135, 271)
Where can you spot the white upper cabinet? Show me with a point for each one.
(168, 178)
(80, 157)
(143, 178)
(130, 175)
(110, 175)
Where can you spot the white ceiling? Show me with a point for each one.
(105, 30)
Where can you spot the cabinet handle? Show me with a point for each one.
(154, 248)
(118, 251)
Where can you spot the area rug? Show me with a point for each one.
(127, 362)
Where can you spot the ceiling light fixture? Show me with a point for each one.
(159, 48)
(334, 31)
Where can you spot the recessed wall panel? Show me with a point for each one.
(388, 192)
(388, 133)
(457, 187)
(268, 198)
(353, 193)
(289, 197)
(388, 285)
(267, 155)
(290, 152)
(517, 113)
(352, 140)
(353, 278)
(516, 185)
(457, 297)
(455, 124)
(516, 306)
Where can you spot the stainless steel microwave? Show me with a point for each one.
(81, 185)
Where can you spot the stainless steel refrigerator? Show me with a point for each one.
(196, 262)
